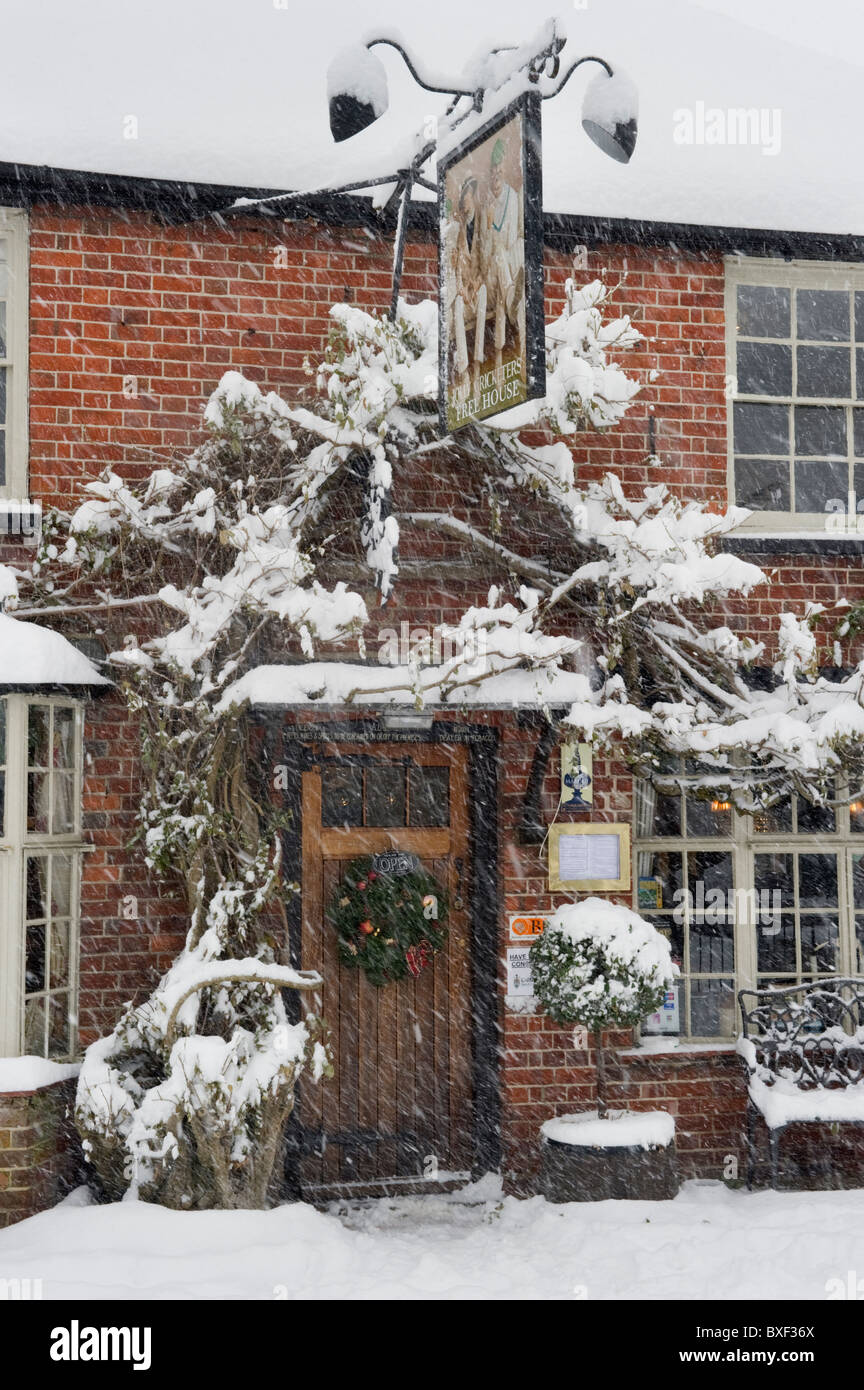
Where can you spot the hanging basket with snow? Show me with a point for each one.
(389, 916)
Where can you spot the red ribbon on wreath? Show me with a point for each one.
(418, 957)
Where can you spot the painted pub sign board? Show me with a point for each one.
(491, 325)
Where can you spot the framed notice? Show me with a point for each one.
(589, 857)
(492, 348)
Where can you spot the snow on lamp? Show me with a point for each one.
(356, 91)
(609, 114)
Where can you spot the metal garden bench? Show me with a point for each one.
(804, 1050)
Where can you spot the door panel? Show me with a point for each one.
(402, 1053)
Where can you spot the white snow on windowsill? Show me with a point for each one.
(650, 1129)
(20, 1075)
(653, 1046)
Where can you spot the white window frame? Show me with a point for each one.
(14, 229)
(743, 843)
(803, 274)
(16, 844)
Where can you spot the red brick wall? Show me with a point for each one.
(40, 1159)
(116, 295)
(121, 958)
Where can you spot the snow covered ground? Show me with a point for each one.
(710, 1243)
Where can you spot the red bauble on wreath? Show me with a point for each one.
(389, 914)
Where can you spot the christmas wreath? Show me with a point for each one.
(390, 924)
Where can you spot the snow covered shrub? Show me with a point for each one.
(600, 966)
(186, 1102)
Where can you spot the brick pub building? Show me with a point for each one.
(126, 300)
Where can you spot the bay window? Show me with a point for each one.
(40, 867)
(774, 898)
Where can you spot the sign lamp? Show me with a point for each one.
(609, 113)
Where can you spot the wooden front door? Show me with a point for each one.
(400, 1103)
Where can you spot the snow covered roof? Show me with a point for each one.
(244, 103)
(37, 656)
(329, 684)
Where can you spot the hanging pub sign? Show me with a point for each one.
(492, 353)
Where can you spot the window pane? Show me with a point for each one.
(712, 946)
(823, 314)
(37, 802)
(34, 964)
(713, 1009)
(774, 820)
(37, 887)
(667, 819)
(61, 885)
(817, 880)
(858, 432)
(819, 940)
(64, 736)
(37, 735)
(708, 817)
(341, 796)
(773, 873)
(2, 732)
(761, 429)
(2, 329)
(59, 964)
(385, 795)
(58, 1026)
(817, 482)
(775, 945)
(429, 796)
(859, 373)
(819, 429)
(667, 869)
(34, 1027)
(3, 371)
(824, 372)
(709, 871)
(765, 369)
(656, 814)
(858, 879)
(64, 803)
(764, 311)
(814, 820)
(762, 485)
